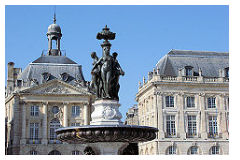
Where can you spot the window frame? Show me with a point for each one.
(169, 101)
(191, 126)
(211, 102)
(75, 152)
(76, 111)
(188, 71)
(33, 152)
(215, 150)
(171, 150)
(171, 125)
(190, 102)
(34, 110)
(34, 131)
(212, 126)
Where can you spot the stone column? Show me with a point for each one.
(181, 123)
(44, 124)
(49, 43)
(58, 44)
(65, 114)
(203, 116)
(86, 114)
(23, 137)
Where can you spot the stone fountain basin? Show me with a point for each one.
(106, 133)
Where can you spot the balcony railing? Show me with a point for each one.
(54, 141)
(169, 135)
(214, 135)
(192, 135)
(33, 141)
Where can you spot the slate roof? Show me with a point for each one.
(54, 59)
(209, 62)
(55, 65)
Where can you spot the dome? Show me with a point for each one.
(54, 28)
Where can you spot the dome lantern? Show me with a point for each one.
(54, 34)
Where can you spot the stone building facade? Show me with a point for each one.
(132, 116)
(49, 93)
(186, 97)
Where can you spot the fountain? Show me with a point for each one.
(106, 134)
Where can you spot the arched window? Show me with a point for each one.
(54, 124)
(89, 151)
(171, 150)
(193, 150)
(215, 150)
(75, 152)
(54, 152)
(33, 152)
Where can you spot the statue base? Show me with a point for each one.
(106, 112)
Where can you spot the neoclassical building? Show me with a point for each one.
(186, 97)
(132, 116)
(49, 93)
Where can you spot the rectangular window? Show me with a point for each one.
(189, 72)
(190, 102)
(34, 111)
(170, 128)
(213, 130)
(211, 102)
(75, 111)
(192, 126)
(169, 101)
(34, 129)
(75, 124)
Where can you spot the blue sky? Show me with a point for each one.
(144, 34)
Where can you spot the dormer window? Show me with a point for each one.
(189, 71)
(227, 72)
(46, 76)
(64, 76)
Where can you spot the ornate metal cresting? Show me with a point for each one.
(106, 70)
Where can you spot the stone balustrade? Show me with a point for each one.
(156, 77)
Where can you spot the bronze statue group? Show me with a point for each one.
(105, 74)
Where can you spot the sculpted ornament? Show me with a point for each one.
(56, 89)
(109, 113)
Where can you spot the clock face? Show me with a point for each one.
(55, 109)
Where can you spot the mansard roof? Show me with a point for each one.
(54, 67)
(209, 62)
(54, 59)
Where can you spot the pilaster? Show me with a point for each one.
(44, 124)
(86, 114)
(65, 114)
(203, 116)
(23, 137)
(181, 124)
